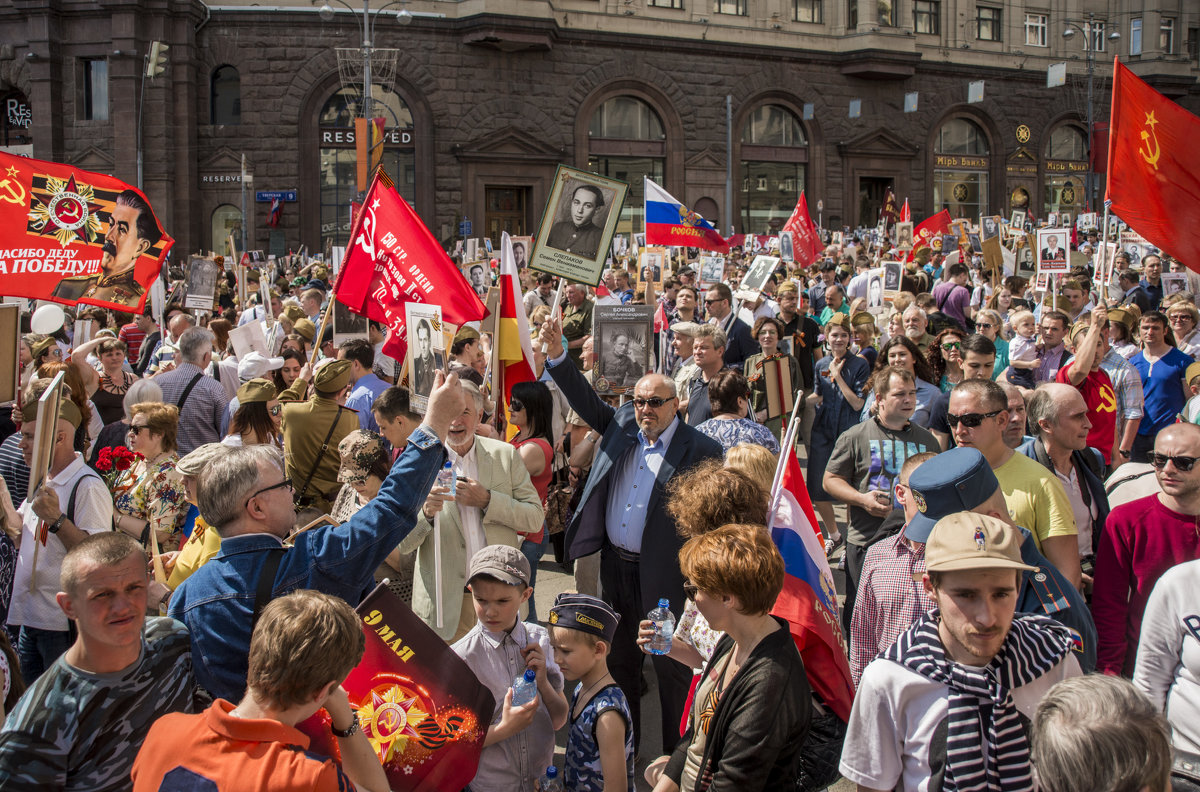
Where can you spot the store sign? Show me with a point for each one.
(1021, 169)
(1066, 166)
(955, 161)
(345, 137)
(18, 113)
(220, 179)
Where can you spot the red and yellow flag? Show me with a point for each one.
(368, 148)
(1154, 166)
(514, 346)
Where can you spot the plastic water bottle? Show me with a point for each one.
(446, 478)
(664, 628)
(550, 782)
(524, 688)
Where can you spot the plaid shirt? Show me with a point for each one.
(890, 598)
(1127, 384)
(200, 418)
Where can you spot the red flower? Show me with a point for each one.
(123, 458)
(104, 462)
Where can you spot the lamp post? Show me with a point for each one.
(1086, 28)
(403, 16)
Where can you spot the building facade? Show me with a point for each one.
(734, 106)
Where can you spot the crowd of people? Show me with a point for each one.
(1005, 477)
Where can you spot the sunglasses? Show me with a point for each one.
(970, 420)
(136, 430)
(691, 590)
(717, 300)
(276, 410)
(1182, 463)
(952, 346)
(653, 403)
(515, 406)
(984, 326)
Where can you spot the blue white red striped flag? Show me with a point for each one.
(669, 222)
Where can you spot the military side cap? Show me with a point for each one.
(862, 318)
(67, 411)
(42, 346)
(294, 313)
(840, 319)
(465, 334)
(333, 376)
(1121, 315)
(256, 390)
(584, 613)
(305, 329)
(1082, 326)
(953, 481)
(966, 541)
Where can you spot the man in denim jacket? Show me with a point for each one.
(245, 496)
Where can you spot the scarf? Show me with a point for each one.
(985, 753)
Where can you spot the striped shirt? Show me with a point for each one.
(13, 467)
(133, 338)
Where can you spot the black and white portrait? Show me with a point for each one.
(623, 340)
(478, 277)
(622, 346)
(650, 265)
(787, 251)
(989, 227)
(426, 350)
(1017, 221)
(976, 244)
(201, 283)
(875, 293)
(712, 270)
(760, 271)
(891, 275)
(579, 218)
(904, 236)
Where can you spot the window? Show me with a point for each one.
(887, 12)
(667, 3)
(627, 118)
(95, 90)
(961, 137)
(1166, 36)
(226, 97)
(1035, 30)
(961, 184)
(988, 24)
(1135, 37)
(734, 7)
(626, 142)
(1067, 143)
(774, 160)
(1193, 45)
(807, 11)
(1098, 30)
(927, 16)
(852, 14)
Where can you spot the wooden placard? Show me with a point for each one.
(10, 353)
(777, 377)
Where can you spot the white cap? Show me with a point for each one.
(253, 365)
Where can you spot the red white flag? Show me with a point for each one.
(905, 213)
(514, 345)
(1154, 167)
(393, 259)
(806, 240)
(930, 229)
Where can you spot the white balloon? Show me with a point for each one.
(47, 319)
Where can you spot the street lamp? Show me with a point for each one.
(1085, 28)
(403, 17)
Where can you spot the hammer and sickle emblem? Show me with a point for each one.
(12, 192)
(1151, 158)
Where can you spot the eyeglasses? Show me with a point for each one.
(653, 403)
(287, 482)
(1182, 463)
(136, 430)
(515, 406)
(276, 410)
(970, 420)
(691, 590)
(952, 346)
(984, 326)
(1180, 318)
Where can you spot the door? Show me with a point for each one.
(504, 211)
(872, 192)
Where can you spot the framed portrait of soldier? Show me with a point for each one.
(426, 350)
(975, 242)
(759, 273)
(1065, 219)
(787, 249)
(875, 290)
(623, 339)
(1052, 251)
(577, 226)
(201, 279)
(479, 275)
(1174, 283)
(949, 244)
(521, 246)
(347, 324)
(652, 263)
(1052, 220)
(712, 270)
(989, 227)
(835, 238)
(892, 270)
(1017, 221)
(904, 236)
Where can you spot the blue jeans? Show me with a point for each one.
(533, 551)
(38, 649)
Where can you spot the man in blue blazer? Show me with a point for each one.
(623, 514)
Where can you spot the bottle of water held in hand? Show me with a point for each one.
(550, 782)
(524, 688)
(664, 628)
(445, 477)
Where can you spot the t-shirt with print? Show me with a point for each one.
(870, 456)
(1036, 498)
(74, 730)
(1097, 391)
(896, 737)
(582, 772)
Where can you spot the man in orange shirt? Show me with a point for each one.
(302, 649)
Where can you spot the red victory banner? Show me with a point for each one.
(806, 240)
(72, 236)
(393, 259)
(1154, 166)
(930, 229)
(420, 706)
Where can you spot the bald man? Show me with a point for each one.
(623, 514)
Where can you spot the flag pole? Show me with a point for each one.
(555, 308)
(325, 319)
(1106, 262)
(438, 607)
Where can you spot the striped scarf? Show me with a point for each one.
(982, 752)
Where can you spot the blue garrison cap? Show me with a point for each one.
(953, 481)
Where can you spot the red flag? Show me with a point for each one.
(660, 316)
(514, 345)
(71, 236)
(905, 213)
(393, 259)
(1154, 167)
(806, 240)
(929, 229)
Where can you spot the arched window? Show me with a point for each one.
(226, 96)
(960, 170)
(774, 162)
(226, 222)
(1065, 167)
(1066, 143)
(338, 171)
(626, 142)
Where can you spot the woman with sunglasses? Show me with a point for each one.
(150, 495)
(531, 411)
(990, 324)
(1184, 317)
(945, 358)
(258, 418)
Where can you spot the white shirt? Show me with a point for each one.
(1168, 657)
(1084, 514)
(93, 514)
(469, 517)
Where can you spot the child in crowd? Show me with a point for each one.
(600, 743)
(1191, 410)
(1022, 350)
(520, 742)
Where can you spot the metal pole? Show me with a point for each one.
(366, 61)
(729, 162)
(141, 106)
(1089, 45)
(243, 180)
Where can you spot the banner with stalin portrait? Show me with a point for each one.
(72, 236)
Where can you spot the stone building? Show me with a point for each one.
(482, 99)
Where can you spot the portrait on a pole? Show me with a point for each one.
(577, 225)
(426, 350)
(622, 337)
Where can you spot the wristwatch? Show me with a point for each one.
(349, 730)
(54, 526)
(1125, 454)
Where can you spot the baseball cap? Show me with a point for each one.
(953, 481)
(965, 541)
(254, 365)
(502, 562)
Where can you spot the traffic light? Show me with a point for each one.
(156, 62)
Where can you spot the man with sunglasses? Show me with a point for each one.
(740, 343)
(622, 514)
(1142, 539)
(978, 416)
(978, 361)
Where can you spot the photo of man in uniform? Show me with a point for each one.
(132, 231)
(1052, 252)
(616, 364)
(904, 236)
(426, 361)
(479, 280)
(651, 268)
(578, 234)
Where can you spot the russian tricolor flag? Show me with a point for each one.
(808, 601)
(668, 222)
